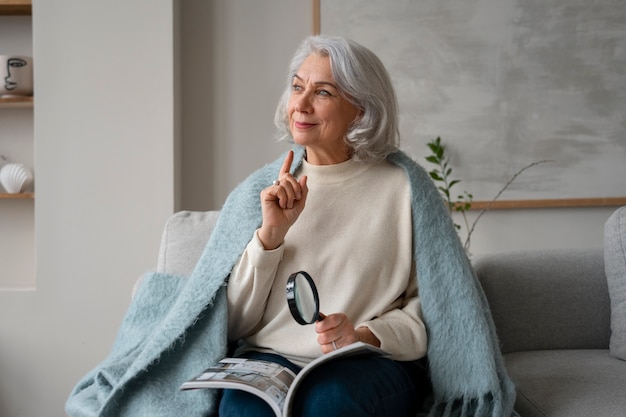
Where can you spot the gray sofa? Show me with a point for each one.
(553, 314)
(552, 311)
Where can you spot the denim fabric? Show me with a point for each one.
(360, 386)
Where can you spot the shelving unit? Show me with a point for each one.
(16, 8)
(17, 258)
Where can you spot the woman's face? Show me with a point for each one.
(319, 117)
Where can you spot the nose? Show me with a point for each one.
(302, 102)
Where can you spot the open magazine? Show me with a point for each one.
(270, 381)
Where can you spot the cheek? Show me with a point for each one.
(290, 111)
(291, 104)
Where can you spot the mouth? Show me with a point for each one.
(303, 125)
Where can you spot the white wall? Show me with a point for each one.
(105, 159)
(237, 67)
(104, 138)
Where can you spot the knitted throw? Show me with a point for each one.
(176, 326)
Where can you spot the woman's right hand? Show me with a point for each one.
(281, 205)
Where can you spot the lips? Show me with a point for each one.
(303, 125)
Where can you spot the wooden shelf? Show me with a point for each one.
(19, 196)
(16, 102)
(16, 8)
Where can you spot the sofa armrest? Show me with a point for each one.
(549, 299)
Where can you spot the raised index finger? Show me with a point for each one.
(286, 163)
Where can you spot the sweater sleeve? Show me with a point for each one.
(401, 329)
(249, 286)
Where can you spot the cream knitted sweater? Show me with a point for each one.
(354, 238)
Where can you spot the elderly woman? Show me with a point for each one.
(345, 218)
(367, 223)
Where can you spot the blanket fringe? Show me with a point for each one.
(484, 406)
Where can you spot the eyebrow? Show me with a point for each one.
(318, 82)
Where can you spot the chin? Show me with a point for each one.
(300, 140)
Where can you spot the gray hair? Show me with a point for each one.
(362, 80)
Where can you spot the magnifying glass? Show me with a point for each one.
(302, 298)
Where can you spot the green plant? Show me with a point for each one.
(442, 174)
(463, 202)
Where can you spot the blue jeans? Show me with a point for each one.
(361, 386)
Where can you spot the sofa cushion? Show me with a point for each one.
(615, 267)
(547, 299)
(568, 383)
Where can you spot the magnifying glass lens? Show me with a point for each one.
(302, 298)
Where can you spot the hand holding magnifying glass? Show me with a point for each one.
(304, 304)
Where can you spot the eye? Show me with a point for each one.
(296, 87)
(324, 93)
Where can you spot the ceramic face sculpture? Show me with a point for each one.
(16, 75)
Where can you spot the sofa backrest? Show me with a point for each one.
(184, 237)
(548, 299)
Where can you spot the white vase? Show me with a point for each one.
(15, 178)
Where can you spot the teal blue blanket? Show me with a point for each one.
(176, 326)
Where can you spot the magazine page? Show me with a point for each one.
(269, 381)
(354, 349)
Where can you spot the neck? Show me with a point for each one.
(315, 157)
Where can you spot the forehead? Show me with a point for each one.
(316, 66)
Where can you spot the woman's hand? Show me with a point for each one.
(339, 329)
(281, 204)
